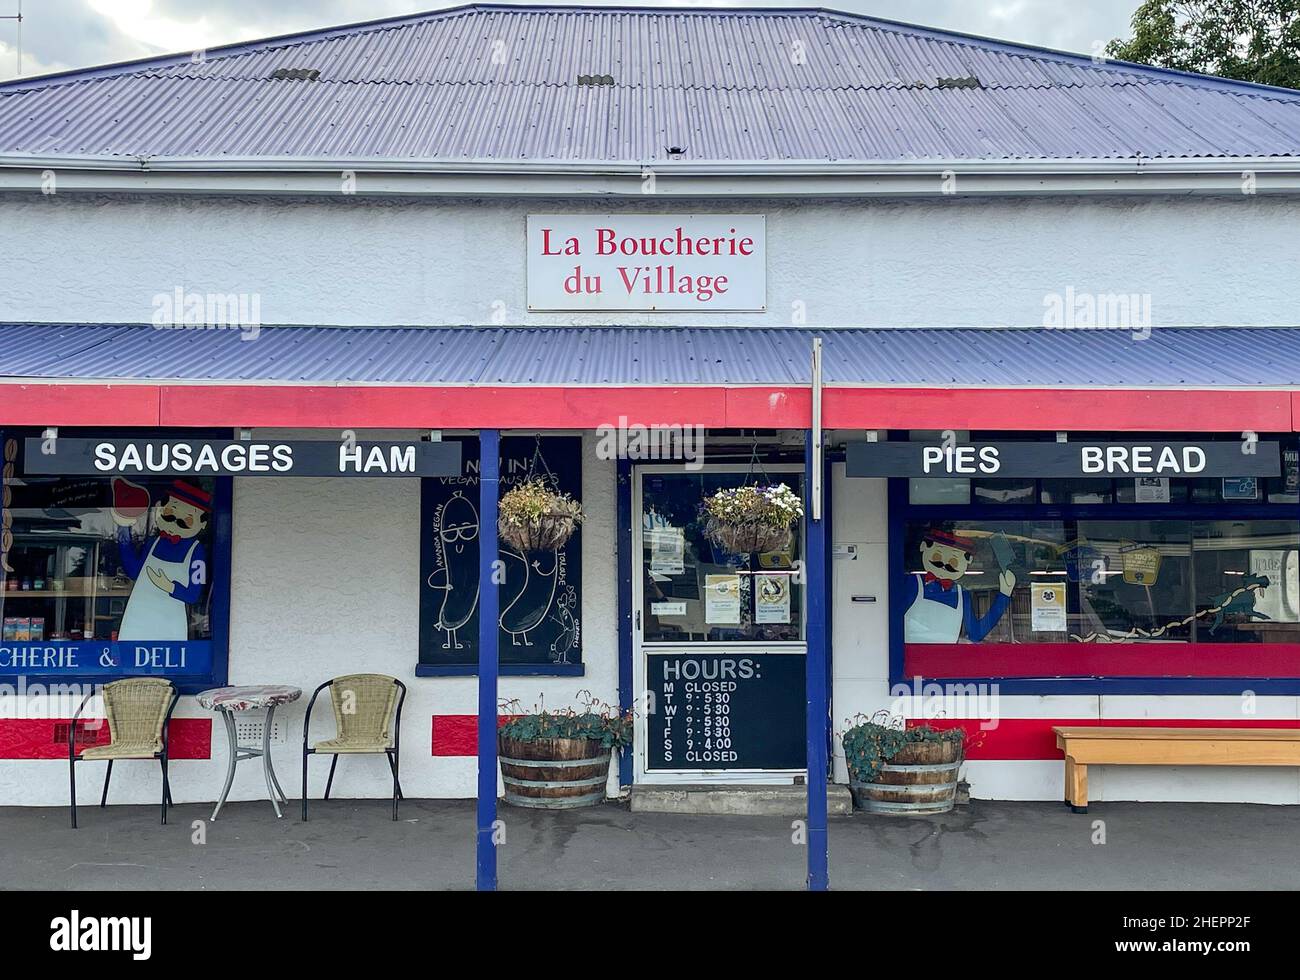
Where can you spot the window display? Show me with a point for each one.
(1100, 582)
(541, 590)
(697, 589)
(106, 576)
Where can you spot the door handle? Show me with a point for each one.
(864, 598)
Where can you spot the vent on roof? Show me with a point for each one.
(296, 74)
(595, 79)
(675, 152)
(968, 82)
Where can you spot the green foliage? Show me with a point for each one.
(1250, 40)
(596, 720)
(533, 500)
(868, 745)
(772, 506)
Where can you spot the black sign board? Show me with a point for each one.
(1081, 459)
(727, 711)
(253, 457)
(540, 595)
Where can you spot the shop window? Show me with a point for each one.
(102, 578)
(540, 593)
(695, 591)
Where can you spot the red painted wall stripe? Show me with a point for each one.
(1002, 660)
(1032, 738)
(457, 735)
(578, 407)
(38, 738)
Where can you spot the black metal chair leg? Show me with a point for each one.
(167, 781)
(392, 764)
(163, 760)
(72, 778)
(330, 782)
(304, 783)
(396, 781)
(103, 800)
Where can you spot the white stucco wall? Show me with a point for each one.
(945, 262)
(325, 581)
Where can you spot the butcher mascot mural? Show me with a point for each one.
(169, 569)
(940, 606)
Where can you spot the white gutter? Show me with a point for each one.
(673, 178)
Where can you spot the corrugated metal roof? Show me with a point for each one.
(999, 358)
(501, 83)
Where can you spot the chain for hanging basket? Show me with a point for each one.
(536, 516)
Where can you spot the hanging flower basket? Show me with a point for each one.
(534, 518)
(749, 519)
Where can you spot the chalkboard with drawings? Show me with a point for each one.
(540, 597)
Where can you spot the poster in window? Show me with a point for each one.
(1048, 608)
(1240, 488)
(722, 600)
(667, 551)
(1151, 490)
(772, 598)
(540, 595)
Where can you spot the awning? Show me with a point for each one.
(1175, 379)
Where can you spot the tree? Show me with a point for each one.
(1251, 40)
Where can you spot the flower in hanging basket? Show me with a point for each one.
(534, 518)
(744, 520)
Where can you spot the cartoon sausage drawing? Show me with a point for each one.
(530, 607)
(457, 528)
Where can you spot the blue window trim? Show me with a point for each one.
(901, 510)
(505, 670)
(222, 534)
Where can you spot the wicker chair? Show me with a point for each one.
(137, 710)
(368, 719)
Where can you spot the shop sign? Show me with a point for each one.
(208, 457)
(1080, 460)
(103, 658)
(703, 263)
(720, 711)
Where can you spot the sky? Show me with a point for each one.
(62, 34)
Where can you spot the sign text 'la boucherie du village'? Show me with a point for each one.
(647, 262)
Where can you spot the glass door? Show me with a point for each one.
(719, 636)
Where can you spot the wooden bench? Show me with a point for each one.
(1099, 745)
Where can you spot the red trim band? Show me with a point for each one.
(579, 407)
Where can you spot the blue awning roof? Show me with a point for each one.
(1219, 357)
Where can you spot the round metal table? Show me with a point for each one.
(226, 701)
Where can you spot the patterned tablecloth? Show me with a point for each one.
(249, 697)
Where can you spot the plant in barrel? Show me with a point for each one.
(535, 516)
(899, 770)
(560, 759)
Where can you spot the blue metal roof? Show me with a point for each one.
(500, 83)
(1231, 357)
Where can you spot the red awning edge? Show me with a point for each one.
(579, 407)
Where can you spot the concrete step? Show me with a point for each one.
(756, 801)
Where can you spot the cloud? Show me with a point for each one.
(59, 34)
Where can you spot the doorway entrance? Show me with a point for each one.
(719, 638)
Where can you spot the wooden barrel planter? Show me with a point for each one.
(554, 773)
(921, 779)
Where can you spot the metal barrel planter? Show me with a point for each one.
(921, 779)
(553, 773)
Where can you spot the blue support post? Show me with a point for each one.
(488, 663)
(818, 706)
(626, 563)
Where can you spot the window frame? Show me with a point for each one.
(469, 668)
(901, 511)
(222, 548)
